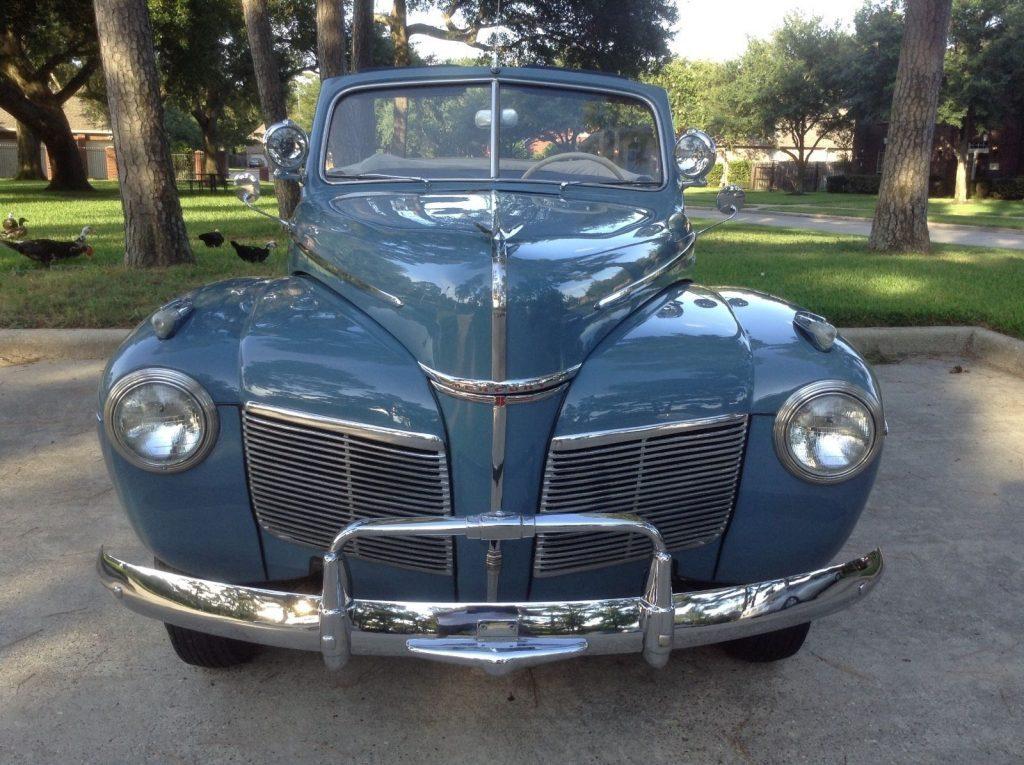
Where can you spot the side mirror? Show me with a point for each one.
(730, 200)
(287, 147)
(247, 188)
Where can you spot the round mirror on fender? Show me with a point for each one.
(287, 146)
(247, 187)
(730, 200)
(695, 156)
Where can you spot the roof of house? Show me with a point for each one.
(82, 116)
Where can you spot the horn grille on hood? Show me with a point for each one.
(682, 477)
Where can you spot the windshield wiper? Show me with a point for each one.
(566, 184)
(378, 176)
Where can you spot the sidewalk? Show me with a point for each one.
(940, 233)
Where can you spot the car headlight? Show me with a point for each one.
(828, 431)
(160, 420)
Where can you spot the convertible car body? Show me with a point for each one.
(488, 417)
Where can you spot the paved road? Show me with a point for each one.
(944, 233)
(930, 668)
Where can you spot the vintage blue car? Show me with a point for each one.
(489, 418)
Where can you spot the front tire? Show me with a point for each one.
(771, 646)
(211, 651)
(202, 650)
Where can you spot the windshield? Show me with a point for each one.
(545, 134)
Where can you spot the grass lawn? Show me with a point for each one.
(834, 275)
(981, 212)
(100, 292)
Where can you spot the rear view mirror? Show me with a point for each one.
(509, 118)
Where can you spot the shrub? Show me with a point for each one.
(1007, 188)
(864, 184)
(837, 184)
(715, 176)
(739, 172)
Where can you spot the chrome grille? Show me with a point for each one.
(682, 477)
(310, 477)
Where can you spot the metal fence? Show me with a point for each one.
(783, 176)
(96, 163)
(8, 159)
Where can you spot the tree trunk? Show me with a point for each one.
(213, 160)
(901, 215)
(268, 81)
(155, 232)
(398, 20)
(362, 35)
(40, 109)
(30, 163)
(801, 174)
(330, 37)
(963, 158)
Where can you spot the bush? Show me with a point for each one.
(1007, 188)
(863, 184)
(837, 184)
(715, 176)
(739, 173)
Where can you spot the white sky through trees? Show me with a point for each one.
(711, 29)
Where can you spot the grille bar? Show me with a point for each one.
(682, 477)
(310, 477)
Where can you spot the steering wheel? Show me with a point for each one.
(603, 161)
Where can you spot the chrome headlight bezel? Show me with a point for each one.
(807, 393)
(174, 379)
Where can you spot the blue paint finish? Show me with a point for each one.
(198, 521)
(307, 349)
(784, 359)
(205, 347)
(433, 252)
(527, 430)
(682, 357)
(784, 525)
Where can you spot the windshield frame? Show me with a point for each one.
(495, 83)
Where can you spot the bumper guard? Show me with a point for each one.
(499, 637)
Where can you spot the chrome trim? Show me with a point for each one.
(602, 437)
(355, 281)
(499, 428)
(424, 441)
(643, 281)
(491, 398)
(176, 379)
(480, 80)
(499, 637)
(522, 386)
(818, 330)
(808, 392)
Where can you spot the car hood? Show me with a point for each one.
(423, 265)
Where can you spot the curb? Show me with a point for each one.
(884, 345)
(887, 345)
(856, 218)
(23, 346)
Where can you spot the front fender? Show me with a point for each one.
(696, 352)
(288, 342)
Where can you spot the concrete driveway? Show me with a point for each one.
(930, 668)
(939, 233)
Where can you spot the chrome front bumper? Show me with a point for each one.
(499, 637)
